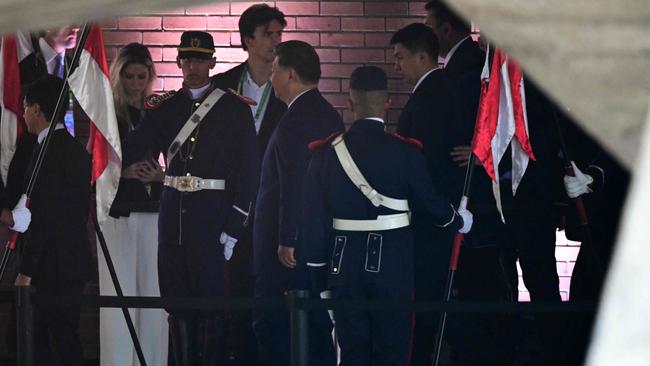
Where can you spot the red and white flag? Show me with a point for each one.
(90, 83)
(501, 121)
(15, 48)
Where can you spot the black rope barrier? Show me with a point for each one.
(148, 302)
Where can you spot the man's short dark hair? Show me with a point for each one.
(45, 92)
(301, 57)
(444, 13)
(255, 16)
(417, 37)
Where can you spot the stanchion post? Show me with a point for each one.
(299, 327)
(25, 322)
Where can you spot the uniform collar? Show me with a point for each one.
(202, 92)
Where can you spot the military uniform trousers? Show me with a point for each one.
(190, 256)
(372, 266)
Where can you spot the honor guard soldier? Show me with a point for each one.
(360, 188)
(211, 154)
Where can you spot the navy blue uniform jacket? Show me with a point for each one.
(394, 168)
(284, 166)
(223, 146)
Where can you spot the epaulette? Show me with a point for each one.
(408, 140)
(243, 98)
(326, 141)
(154, 100)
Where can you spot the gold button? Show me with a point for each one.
(192, 139)
(197, 104)
(190, 157)
(188, 174)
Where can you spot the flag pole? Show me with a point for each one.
(453, 260)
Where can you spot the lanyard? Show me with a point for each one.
(261, 106)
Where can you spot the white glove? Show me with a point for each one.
(21, 215)
(228, 245)
(467, 217)
(578, 185)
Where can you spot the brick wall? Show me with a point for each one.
(346, 34)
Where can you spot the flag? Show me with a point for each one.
(15, 48)
(501, 121)
(90, 83)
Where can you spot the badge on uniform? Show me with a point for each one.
(373, 252)
(337, 255)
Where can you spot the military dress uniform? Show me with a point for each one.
(359, 230)
(208, 190)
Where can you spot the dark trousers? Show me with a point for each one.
(242, 345)
(56, 338)
(432, 252)
(372, 338)
(530, 237)
(271, 327)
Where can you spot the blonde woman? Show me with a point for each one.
(132, 232)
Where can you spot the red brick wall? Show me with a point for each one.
(346, 34)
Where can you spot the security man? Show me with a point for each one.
(211, 152)
(357, 224)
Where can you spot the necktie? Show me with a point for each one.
(59, 67)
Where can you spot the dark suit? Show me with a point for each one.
(430, 116)
(56, 251)
(277, 214)
(357, 269)
(480, 276)
(240, 266)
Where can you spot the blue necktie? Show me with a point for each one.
(59, 67)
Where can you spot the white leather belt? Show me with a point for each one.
(352, 171)
(193, 184)
(386, 222)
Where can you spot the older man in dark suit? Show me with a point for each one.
(296, 72)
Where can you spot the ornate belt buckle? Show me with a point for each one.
(185, 183)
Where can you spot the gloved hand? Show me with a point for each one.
(228, 245)
(578, 185)
(467, 217)
(21, 215)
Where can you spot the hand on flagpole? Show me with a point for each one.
(21, 215)
(578, 184)
(468, 218)
(460, 155)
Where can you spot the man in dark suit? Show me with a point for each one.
(364, 244)
(55, 257)
(260, 27)
(296, 72)
(211, 177)
(480, 276)
(430, 117)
